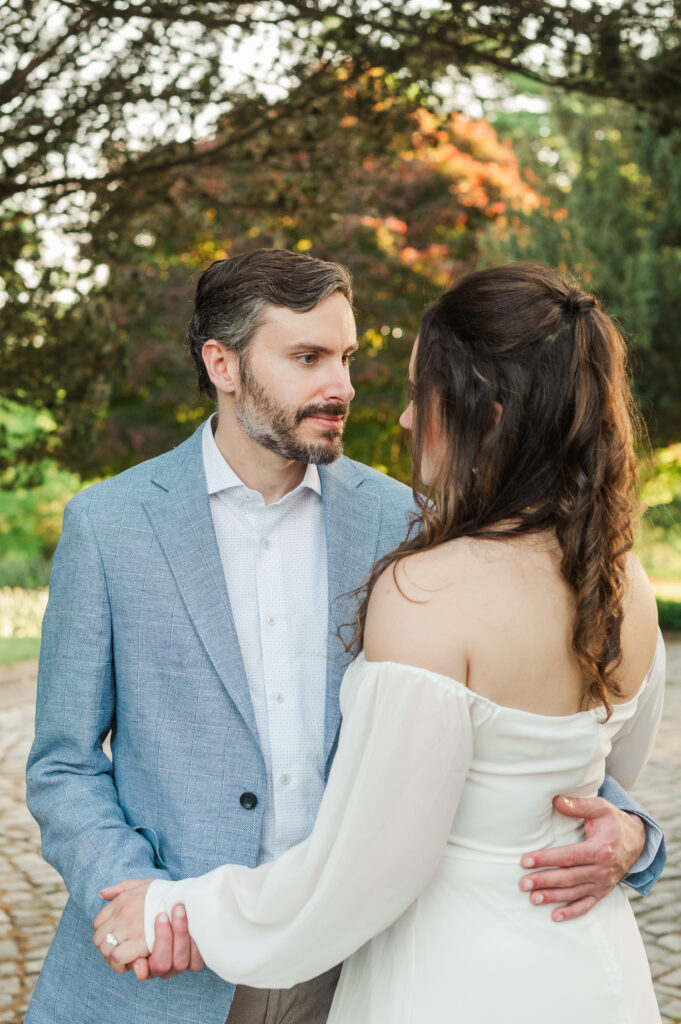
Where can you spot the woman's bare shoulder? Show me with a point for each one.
(414, 615)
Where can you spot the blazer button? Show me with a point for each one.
(248, 801)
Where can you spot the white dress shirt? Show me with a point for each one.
(274, 560)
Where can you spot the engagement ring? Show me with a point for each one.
(111, 939)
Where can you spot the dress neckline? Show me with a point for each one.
(591, 712)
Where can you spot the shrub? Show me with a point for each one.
(669, 613)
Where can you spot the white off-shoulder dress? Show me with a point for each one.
(411, 872)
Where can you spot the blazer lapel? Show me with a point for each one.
(352, 519)
(181, 518)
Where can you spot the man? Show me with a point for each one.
(193, 612)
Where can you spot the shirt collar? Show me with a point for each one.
(221, 477)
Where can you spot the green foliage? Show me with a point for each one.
(59, 352)
(84, 73)
(13, 649)
(129, 120)
(663, 484)
(612, 217)
(407, 218)
(659, 543)
(669, 614)
(30, 524)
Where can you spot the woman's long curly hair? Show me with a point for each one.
(560, 457)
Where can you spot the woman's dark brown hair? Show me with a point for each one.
(560, 457)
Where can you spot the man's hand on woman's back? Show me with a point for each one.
(583, 873)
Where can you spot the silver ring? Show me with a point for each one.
(111, 939)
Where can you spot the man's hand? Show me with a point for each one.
(583, 873)
(174, 949)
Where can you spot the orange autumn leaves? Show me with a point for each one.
(455, 175)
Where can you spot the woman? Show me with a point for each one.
(502, 654)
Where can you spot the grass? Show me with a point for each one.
(18, 648)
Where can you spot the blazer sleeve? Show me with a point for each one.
(631, 748)
(70, 786)
(404, 750)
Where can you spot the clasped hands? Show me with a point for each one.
(576, 876)
(123, 921)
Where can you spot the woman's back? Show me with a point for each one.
(498, 616)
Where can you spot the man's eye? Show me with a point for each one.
(349, 359)
(306, 358)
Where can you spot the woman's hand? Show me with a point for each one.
(122, 919)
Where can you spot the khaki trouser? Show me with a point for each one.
(307, 1003)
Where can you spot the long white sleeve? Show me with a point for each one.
(632, 745)
(404, 750)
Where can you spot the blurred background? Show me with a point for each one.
(413, 141)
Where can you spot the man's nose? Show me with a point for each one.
(337, 385)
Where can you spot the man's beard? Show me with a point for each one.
(275, 427)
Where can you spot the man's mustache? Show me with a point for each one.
(333, 409)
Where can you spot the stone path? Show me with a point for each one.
(32, 894)
(659, 790)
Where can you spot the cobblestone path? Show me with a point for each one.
(32, 894)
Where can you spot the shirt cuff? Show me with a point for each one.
(649, 865)
(155, 904)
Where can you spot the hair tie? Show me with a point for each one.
(577, 302)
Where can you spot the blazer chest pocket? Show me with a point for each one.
(152, 839)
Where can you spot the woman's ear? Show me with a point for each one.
(498, 413)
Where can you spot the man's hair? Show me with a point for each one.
(231, 294)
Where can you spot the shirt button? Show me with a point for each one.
(267, 544)
(248, 497)
(285, 779)
(271, 620)
(279, 697)
(248, 801)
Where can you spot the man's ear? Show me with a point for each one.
(222, 366)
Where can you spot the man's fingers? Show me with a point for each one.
(576, 909)
(181, 940)
(567, 895)
(565, 878)
(574, 855)
(161, 960)
(195, 960)
(577, 807)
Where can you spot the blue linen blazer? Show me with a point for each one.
(139, 641)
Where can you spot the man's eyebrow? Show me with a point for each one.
(314, 346)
